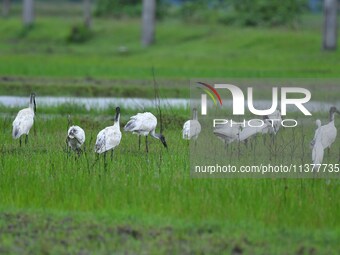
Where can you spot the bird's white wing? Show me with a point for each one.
(76, 136)
(114, 139)
(186, 130)
(274, 121)
(227, 133)
(100, 142)
(191, 129)
(23, 122)
(142, 122)
(327, 134)
(249, 131)
(79, 134)
(317, 153)
(107, 139)
(316, 134)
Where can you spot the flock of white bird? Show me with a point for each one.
(108, 139)
(231, 132)
(324, 135)
(144, 124)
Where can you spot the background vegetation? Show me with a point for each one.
(112, 62)
(54, 203)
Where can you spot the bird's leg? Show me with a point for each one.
(139, 142)
(105, 163)
(111, 155)
(246, 143)
(79, 151)
(20, 141)
(26, 139)
(146, 144)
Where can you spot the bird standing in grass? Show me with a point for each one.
(24, 120)
(324, 137)
(241, 132)
(318, 125)
(109, 138)
(227, 132)
(75, 138)
(257, 126)
(275, 122)
(144, 124)
(191, 128)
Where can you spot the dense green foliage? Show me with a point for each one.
(267, 12)
(241, 12)
(118, 8)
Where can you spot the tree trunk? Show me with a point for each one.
(28, 12)
(148, 22)
(330, 25)
(6, 4)
(87, 13)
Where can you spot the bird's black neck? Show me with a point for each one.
(155, 135)
(194, 114)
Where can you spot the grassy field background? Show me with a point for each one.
(148, 204)
(140, 201)
(113, 62)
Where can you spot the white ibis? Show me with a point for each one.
(191, 128)
(75, 138)
(144, 124)
(324, 137)
(254, 127)
(318, 125)
(227, 132)
(109, 138)
(275, 122)
(24, 120)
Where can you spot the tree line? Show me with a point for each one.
(244, 12)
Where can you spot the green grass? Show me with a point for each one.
(156, 189)
(73, 233)
(182, 52)
(54, 204)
